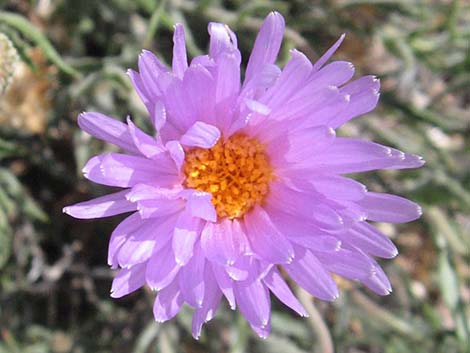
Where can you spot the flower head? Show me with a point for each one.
(243, 180)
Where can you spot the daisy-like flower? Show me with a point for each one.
(243, 183)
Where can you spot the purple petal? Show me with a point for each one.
(306, 103)
(120, 234)
(292, 226)
(389, 208)
(347, 263)
(261, 81)
(225, 284)
(179, 114)
(338, 188)
(282, 291)
(299, 145)
(267, 44)
(201, 135)
(214, 245)
(326, 114)
(305, 204)
(318, 242)
(222, 39)
(310, 274)
(115, 169)
(292, 78)
(107, 129)
(349, 211)
(369, 239)
(200, 204)
(104, 206)
(257, 107)
(158, 208)
(128, 280)
(248, 268)
(262, 331)
(334, 74)
(155, 201)
(227, 87)
(265, 239)
(146, 144)
(378, 281)
(158, 115)
(135, 251)
(161, 268)
(180, 60)
(92, 170)
(168, 303)
(359, 104)
(186, 233)
(362, 84)
(199, 95)
(199, 317)
(209, 305)
(150, 68)
(148, 239)
(212, 296)
(223, 242)
(405, 160)
(205, 61)
(191, 279)
(329, 53)
(348, 155)
(243, 269)
(327, 217)
(141, 90)
(141, 192)
(254, 302)
(301, 113)
(176, 153)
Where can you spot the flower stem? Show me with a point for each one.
(242, 334)
(318, 325)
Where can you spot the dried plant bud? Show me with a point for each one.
(8, 60)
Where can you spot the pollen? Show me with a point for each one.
(236, 172)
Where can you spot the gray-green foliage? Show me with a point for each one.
(54, 283)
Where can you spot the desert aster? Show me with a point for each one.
(243, 180)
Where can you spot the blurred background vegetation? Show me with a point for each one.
(61, 57)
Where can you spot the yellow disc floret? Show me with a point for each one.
(236, 172)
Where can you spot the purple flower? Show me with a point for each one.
(243, 180)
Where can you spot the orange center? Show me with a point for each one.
(236, 172)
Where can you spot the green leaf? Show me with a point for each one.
(276, 344)
(448, 281)
(147, 337)
(5, 239)
(31, 32)
(14, 188)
